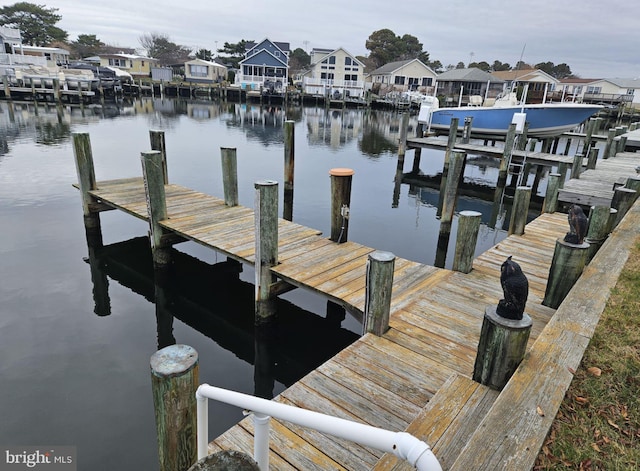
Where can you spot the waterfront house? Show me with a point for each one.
(402, 76)
(538, 82)
(614, 91)
(570, 89)
(265, 65)
(12, 54)
(202, 71)
(335, 73)
(137, 66)
(457, 85)
(53, 56)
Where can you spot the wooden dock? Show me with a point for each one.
(416, 376)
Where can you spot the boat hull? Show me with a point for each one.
(543, 120)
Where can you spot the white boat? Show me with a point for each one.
(544, 120)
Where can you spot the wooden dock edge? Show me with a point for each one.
(512, 433)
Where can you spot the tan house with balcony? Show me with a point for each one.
(334, 73)
(539, 83)
(201, 71)
(137, 66)
(403, 76)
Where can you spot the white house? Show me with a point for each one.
(402, 76)
(615, 91)
(334, 73)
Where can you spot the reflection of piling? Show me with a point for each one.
(378, 283)
(229, 162)
(550, 204)
(340, 203)
(265, 340)
(157, 143)
(468, 227)
(520, 210)
(566, 267)
(599, 226)
(86, 183)
(451, 143)
(174, 380)
(501, 348)
(444, 234)
(156, 205)
(266, 218)
(289, 158)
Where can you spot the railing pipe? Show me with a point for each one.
(401, 444)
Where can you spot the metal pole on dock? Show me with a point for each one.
(229, 175)
(340, 203)
(87, 182)
(157, 143)
(566, 267)
(520, 210)
(501, 348)
(378, 285)
(466, 239)
(174, 380)
(156, 205)
(550, 204)
(266, 251)
(289, 160)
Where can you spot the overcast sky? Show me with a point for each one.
(597, 39)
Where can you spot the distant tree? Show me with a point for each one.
(204, 54)
(436, 66)
(385, 46)
(522, 66)
(159, 46)
(233, 52)
(36, 23)
(559, 71)
(480, 65)
(499, 66)
(86, 45)
(460, 65)
(299, 59)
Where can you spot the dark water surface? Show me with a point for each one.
(77, 332)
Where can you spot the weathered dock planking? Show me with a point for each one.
(416, 375)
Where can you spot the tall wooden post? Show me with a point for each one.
(550, 204)
(378, 285)
(623, 199)
(340, 203)
(591, 124)
(451, 190)
(598, 229)
(87, 182)
(157, 143)
(156, 205)
(506, 155)
(266, 217)
(566, 267)
(562, 170)
(576, 168)
(229, 175)
(501, 348)
(468, 228)
(633, 183)
(593, 158)
(174, 380)
(289, 159)
(607, 148)
(451, 143)
(520, 210)
(402, 140)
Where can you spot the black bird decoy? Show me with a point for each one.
(578, 225)
(515, 288)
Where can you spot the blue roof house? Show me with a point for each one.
(265, 66)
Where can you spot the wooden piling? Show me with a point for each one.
(520, 210)
(468, 228)
(607, 148)
(592, 159)
(340, 203)
(506, 156)
(87, 182)
(7, 87)
(501, 348)
(402, 141)
(451, 189)
(598, 229)
(451, 143)
(156, 205)
(576, 168)
(378, 283)
(622, 201)
(590, 127)
(174, 380)
(550, 204)
(157, 143)
(633, 183)
(266, 219)
(229, 175)
(289, 159)
(566, 267)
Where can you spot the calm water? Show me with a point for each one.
(77, 332)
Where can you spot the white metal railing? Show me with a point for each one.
(401, 444)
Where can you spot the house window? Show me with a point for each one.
(347, 61)
(332, 60)
(323, 76)
(142, 63)
(427, 81)
(399, 80)
(355, 69)
(630, 91)
(276, 53)
(198, 70)
(118, 62)
(593, 90)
